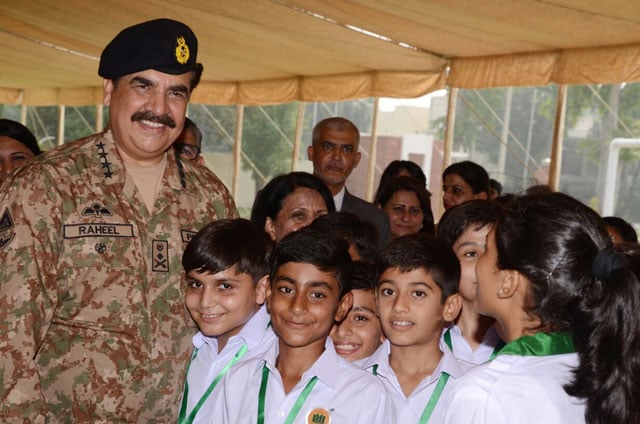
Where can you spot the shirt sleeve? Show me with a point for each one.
(27, 295)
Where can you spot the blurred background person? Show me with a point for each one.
(495, 189)
(399, 168)
(464, 181)
(18, 146)
(189, 143)
(407, 203)
(289, 202)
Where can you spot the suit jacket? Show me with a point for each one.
(368, 212)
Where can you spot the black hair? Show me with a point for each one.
(224, 243)
(626, 231)
(365, 276)
(495, 184)
(196, 76)
(474, 214)
(609, 372)
(556, 242)
(406, 183)
(393, 170)
(269, 200)
(432, 254)
(336, 123)
(326, 250)
(472, 173)
(19, 132)
(359, 233)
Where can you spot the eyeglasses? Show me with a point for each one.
(187, 151)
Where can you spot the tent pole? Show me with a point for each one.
(448, 130)
(558, 137)
(61, 113)
(373, 147)
(237, 151)
(298, 138)
(99, 117)
(23, 114)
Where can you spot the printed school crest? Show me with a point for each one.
(7, 230)
(182, 51)
(318, 416)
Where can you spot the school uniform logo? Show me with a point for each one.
(7, 230)
(318, 416)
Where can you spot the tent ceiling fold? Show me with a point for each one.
(275, 51)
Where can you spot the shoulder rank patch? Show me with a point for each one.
(160, 256)
(7, 230)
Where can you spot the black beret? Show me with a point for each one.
(164, 45)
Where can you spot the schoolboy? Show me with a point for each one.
(359, 334)
(416, 296)
(473, 337)
(301, 378)
(226, 265)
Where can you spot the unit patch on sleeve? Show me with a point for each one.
(7, 230)
(160, 256)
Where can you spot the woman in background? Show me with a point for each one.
(289, 202)
(407, 203)
(18, 146)
(464, 181)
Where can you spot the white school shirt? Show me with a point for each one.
(516, 389)
(208, 362)
(409, 410)
(462, 349)
(350, 394)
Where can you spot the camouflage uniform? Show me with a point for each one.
(93, 326)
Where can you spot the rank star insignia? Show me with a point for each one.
(182, 51)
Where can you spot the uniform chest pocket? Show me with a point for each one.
(103, 276)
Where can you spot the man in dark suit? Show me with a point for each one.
(334, 153)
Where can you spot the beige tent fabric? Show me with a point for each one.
(274, 51)
(577, 66)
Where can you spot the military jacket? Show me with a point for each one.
(93, 326)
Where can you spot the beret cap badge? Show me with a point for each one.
(163, 45)
(182, 51)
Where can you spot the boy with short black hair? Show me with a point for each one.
(359, 334)
(416, 297)
(301, 378)
(472, 337)
(226, 266)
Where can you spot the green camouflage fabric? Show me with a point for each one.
(93, 326)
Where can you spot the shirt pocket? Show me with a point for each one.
(103, 275)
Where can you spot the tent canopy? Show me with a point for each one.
(276, 51)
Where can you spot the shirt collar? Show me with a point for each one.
(252, 333)
(380, 360)
(339, 198)
(325, 367)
